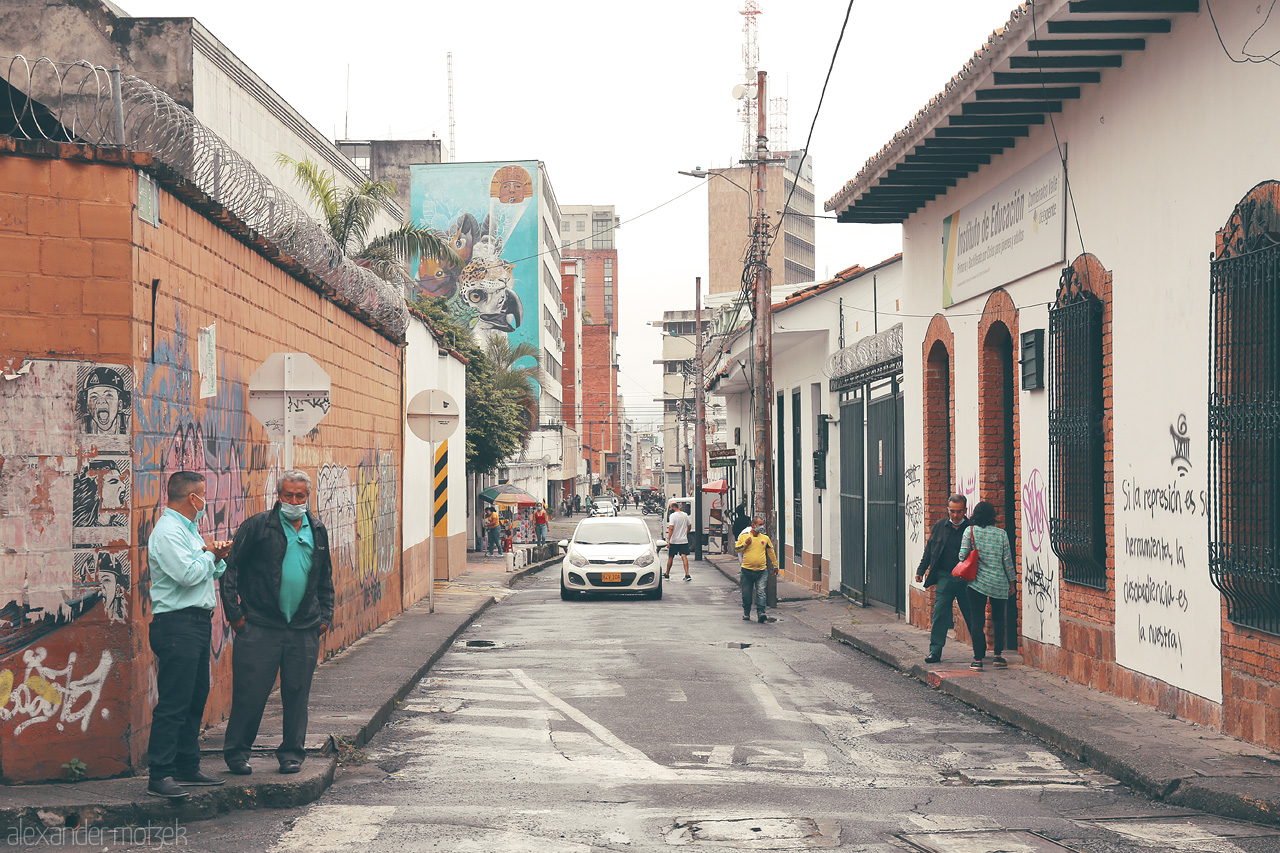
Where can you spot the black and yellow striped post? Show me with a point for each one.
(440, 517)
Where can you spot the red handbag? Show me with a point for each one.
(967, 569)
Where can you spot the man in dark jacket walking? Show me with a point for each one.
(940, 556)
(278, 596)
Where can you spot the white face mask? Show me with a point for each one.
(293, 512)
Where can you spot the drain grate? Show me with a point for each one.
(480, 644)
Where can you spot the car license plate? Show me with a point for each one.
(611, 577)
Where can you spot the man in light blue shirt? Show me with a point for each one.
(183, 569)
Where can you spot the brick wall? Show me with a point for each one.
(939, 450)
(86, 282)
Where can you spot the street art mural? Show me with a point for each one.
(65, 496)
(489, 211)
(34, 693)
(1163, 595)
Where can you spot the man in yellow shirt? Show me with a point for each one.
(758, 557)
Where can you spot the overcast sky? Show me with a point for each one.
(615, 98)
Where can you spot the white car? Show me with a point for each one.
(603, 507)
(611, 555)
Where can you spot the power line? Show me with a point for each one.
(814, 123)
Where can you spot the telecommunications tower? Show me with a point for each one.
(749, 108)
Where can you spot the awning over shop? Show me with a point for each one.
(873, 357)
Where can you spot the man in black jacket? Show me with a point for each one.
(940, 556)
(277, 593)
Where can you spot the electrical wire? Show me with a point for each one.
(1248, 57)
(814, 123)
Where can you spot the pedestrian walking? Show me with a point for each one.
(994, 583)
(577, 503)
(183, 569)
(540, 522)
(492, 531)
(758, 558)
(941, 553)
(277, 594)
(678, 526)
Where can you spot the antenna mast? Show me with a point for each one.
(452, 156)
(751, 59)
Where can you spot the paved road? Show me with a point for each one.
(616, 724)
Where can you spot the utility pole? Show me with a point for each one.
(700, 429)
(764, 338)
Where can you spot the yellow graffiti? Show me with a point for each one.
(49, 693)
(6, 687)
(367, 499)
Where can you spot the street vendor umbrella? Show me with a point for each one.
(520, 500)
(493, 493)
(721, 486)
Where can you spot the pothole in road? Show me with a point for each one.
(480, 644)
(767, 833)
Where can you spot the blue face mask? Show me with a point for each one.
(292, 512)
(200, 511)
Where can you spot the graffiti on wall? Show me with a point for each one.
(968, 486)
(65, 494)
(360, 514)
(43, 694)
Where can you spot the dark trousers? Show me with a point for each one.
(180, 642)
(259, 654)
(978, 628)
(949, 589)
(754, 583)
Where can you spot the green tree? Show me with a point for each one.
(348, 214)
(516, 370)
(498, 423)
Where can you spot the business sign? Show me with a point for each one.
(1014, 230)
(723, 462)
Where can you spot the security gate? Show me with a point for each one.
(886, 506)
(852, 498)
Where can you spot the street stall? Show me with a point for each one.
(515, 508)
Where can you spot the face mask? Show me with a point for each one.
(200, 511)
(293, 512)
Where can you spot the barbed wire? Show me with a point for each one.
(76, 102)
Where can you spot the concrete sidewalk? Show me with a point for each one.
(352, 696)
(1155, 754)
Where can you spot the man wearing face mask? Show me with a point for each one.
(183, 569)
(278, 596)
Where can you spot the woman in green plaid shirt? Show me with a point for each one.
(995, 580)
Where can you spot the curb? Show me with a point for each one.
(1177, 786)
(62, 820)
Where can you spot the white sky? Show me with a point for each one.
(615, 98)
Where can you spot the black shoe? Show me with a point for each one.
(932, 659)
(198, 779)
(746, 617)
(977, 665)
(167, 788)
(688, 577)
(999, 662)
(290, 766)
(240, 767)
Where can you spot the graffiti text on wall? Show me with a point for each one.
(46, 694)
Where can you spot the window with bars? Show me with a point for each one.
(1077, 520)
(1244, 413)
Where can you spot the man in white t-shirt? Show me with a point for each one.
(678, 525)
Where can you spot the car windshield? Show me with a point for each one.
(611, 534)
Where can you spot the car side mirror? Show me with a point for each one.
(662, 543)
(563, 543)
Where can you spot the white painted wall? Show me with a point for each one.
(424, 369)
(1158, 156)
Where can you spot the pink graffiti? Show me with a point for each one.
(1035, 513)
(969, 488)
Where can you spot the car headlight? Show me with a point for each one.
(645, 559)
(576, 559)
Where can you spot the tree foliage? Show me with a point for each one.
(499, 396)
(348, 214)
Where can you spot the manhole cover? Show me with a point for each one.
(757, 833)
(986, 841)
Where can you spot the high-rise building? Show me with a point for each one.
(679, 392)
(731, 199)
(587, 233)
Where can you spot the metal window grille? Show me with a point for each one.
(1244, 426)
(1077, 524)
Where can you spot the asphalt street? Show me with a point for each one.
(627, 724)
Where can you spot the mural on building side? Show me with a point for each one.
(490, 213)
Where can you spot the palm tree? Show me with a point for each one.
(517, 383)
(348, 215)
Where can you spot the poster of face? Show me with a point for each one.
(489, 212)
(104, 406)
(100, 501)
(106, 574)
